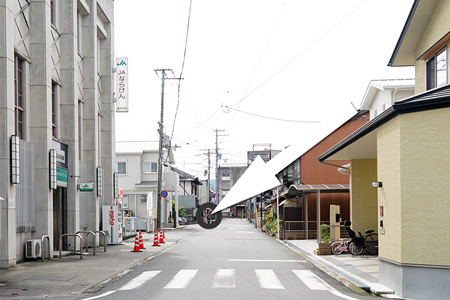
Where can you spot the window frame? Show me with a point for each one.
(55, 109)
(19, 93)
(117, 167)
(432, 71)
(151, 167)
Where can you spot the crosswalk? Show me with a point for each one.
(226, 279)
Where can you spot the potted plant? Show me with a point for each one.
(325, 244)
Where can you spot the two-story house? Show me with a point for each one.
(400, 163)
(137, 168)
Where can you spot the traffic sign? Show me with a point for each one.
(213, 196)
(164, 193)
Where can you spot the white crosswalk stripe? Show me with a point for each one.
(182, 279)
(224, 278)
(139, 280)
(268, 279)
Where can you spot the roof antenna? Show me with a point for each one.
(357, 110)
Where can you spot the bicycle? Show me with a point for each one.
(360, 244)
(339, 247)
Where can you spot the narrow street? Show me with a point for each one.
(232, 261)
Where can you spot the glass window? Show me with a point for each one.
(121, 167)
(143, 198)
(150, 167)
(437, 70)
(19, 104)
(54, 109)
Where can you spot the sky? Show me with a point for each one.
(265, 73)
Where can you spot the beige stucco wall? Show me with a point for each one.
(414, 166)
(438, 26)
(389, 196)
(363, 197)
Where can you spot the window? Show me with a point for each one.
(54, 110)
(19, 101)
(437, 70)
(143, 198)
(150, 167)
(121, 167)
(80, 129)
(52, 12)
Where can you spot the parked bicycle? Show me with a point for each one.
(360, 244)
(339, 247)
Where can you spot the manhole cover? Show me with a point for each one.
(51, 278)
(20, 292)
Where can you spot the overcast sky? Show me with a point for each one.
(252, 67)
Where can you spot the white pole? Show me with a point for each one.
(278, 217)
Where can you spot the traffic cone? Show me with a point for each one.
(164, 234)
(161, 237)
(155, 240)
(136, 244)
(141, 241)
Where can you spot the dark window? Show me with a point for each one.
(143, 198)
(19, 101)
(437, 70)
(54, 106)
(122, 168)
(52, 12)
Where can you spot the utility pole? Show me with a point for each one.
(218, 195)
(161, 138)
(209, 172)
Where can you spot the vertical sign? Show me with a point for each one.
(122, 84)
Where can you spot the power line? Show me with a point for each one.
(271, 118)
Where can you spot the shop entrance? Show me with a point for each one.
(59, 217)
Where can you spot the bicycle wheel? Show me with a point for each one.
(371, 244)
(336, 248)
(355, 249)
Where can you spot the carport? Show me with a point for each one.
(303, 190)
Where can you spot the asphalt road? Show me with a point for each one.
(232, 261)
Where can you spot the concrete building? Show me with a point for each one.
(57, 119)
(137, 168)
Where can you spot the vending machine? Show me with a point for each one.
(112, 224)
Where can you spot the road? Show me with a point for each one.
(232, 261)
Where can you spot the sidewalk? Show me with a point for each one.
(356, 272)
(71, 276)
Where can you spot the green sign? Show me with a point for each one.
(62, 176)
(86, 187)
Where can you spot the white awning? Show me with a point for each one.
(256, 180)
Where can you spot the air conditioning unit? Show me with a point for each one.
(33, 249)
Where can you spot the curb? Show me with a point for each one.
(98, 286)
(360, 290)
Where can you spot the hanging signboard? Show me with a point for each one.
(122, 84)
(62, 176)
(86, 187)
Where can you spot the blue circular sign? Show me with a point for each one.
(213, 196)
(164, 193)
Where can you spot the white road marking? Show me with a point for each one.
(182, 279)
(268, 280)
(268, 260)
(313, 281)
(224, 278)
(139, 280)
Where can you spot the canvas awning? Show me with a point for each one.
(256, 180)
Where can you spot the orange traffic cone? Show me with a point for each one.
(155, 240)
(136, 244)
(141, 241)
(161, 237)
(164, 234)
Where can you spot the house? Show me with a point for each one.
(137, 168)
(57, 112)
(400, 163)
(188, 193)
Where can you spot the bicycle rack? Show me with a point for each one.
(48, 244)
(74, 244)
(87, 238)
(104, 238)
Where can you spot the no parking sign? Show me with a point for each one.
(164, 193)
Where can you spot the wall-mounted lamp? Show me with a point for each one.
(52, 169)
(377, 184)
(15, 159)
(99, 181)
